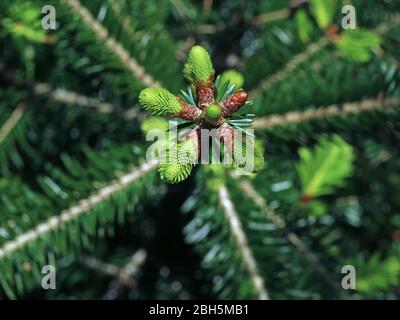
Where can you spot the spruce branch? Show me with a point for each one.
(271, 16)
(71, 214)
(388, 25)
(112, 45)
(293, 7)
(76, 99)
(125, 22)
(126, 274)
(351, 108)
(12, 121)
(280, 223)
(390, 58)
(241, 240)
(291, 66)
(123, 275)
(135, 262)
(99, 266)
(180, 7)
(324, 168)
(309, 52)
(69, 97)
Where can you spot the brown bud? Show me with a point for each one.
(205, 94)
(233, 103)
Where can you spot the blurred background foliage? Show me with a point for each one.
(76, 190)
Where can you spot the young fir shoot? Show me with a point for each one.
(207, 104)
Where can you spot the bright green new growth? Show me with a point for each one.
(24, 22)
(180, 163)
(304, 25)
(234, 77)
(357, 45)
(376, 274)
(213, 112)
(199, 66)
(174, 172)
(258, 156)
(326, 167)
(323, 11)
(159, 102)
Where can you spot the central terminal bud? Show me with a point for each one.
(213, 114)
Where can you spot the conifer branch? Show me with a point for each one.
(386, 26)
(68, 97)
(327, 112)
(112, 45)
(74, 212)
(125, 22)
(242, 243)
(12, 121)
(126, 275)
(122, 275)
(268, 17)
(100, 266)
(136, 261)
(73, 98)
(309, 52)
(292, 65)
(293, 238)
(184, 13)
